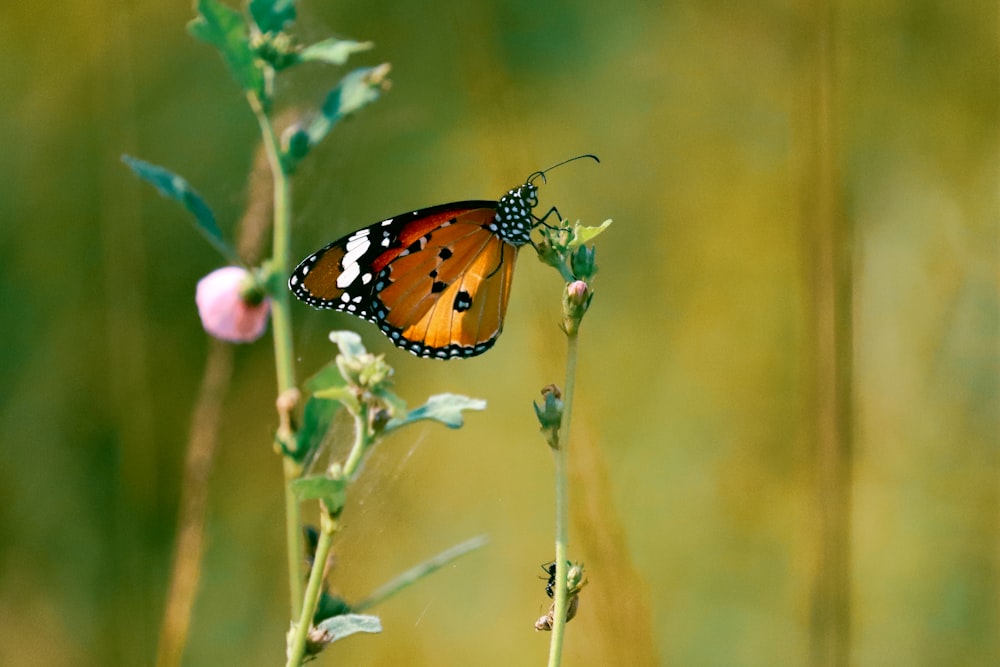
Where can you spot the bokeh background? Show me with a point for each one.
(696, 417)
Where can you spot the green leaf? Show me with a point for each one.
(333, 492)
(172, 186)
(316, 418)
(226, 29)
(327, 377)
(444, 408)
(356, 90)
(345, 625)
(582, 233)
(333, 51)
(329, 606)
(342, 395)
(349, 343)
(272, 15)
(419, 571)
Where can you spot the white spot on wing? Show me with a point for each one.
(351, 272)
(357, 242)
(354, 252)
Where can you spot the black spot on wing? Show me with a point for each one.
(463, 301)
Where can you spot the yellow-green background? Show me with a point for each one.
(692, 367)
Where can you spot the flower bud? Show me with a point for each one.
(576, 301)
(232, 306)
(582, 262)
(577, 292)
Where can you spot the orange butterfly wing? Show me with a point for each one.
(450, 296)
(436, 281)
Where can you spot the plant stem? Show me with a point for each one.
(281, 325)
(562, 506)
(281, 252)
(293, 536)
(328, 528)
(361, 442)
(297, 647)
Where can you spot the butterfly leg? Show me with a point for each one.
(545, 217)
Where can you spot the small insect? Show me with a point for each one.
(550, 586)
(436, 281)
(574, 584)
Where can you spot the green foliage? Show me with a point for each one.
(420, 571)
(326, 377)
(356, 90)
(345, 625)
(226, 29)
(272, 15)
(316, 417)
(349, 343)
(584, 234)
(331, 490)
(172, 186)
(562, 247)
(332, 51)
(581, 263)
(329, 606)
(328, 390)
(443, 408)
(361, 382)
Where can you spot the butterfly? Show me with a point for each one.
(436, 281)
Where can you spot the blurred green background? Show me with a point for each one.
(700, 538)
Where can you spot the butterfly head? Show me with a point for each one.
(514, 219)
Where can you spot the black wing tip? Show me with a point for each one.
(446, 353)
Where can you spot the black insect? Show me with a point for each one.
(550, 585)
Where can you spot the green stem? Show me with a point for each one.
(281, 326)
(361, 442)
(297, 647)
(328, 528)
(562, 506)
(281, 253)
(293, 536)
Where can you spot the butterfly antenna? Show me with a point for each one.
(559, 164)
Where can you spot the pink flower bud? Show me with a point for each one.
(227, 308)
(577, 292)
